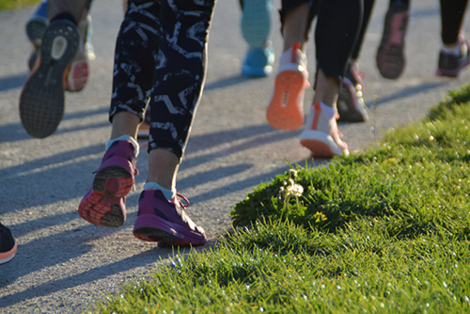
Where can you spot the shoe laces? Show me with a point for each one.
(180, 197)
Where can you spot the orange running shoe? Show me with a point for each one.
(321, 135)
(285, 110)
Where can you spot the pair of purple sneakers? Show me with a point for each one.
(158, 219)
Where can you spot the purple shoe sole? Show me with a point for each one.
(152, 228)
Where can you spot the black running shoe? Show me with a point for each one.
(8, 245)
(450, 64)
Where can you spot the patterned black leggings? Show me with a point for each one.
(160, 59)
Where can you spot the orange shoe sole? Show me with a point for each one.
(283, 112)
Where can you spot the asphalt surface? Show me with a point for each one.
(64, 263)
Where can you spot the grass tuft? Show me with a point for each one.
(16, 4)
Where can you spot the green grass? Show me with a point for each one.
(384, 231)
(16, 4)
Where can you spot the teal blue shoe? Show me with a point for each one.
(259, 61)
(256, 21)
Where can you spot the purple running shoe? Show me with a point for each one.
(450, 64)
(163, 220)
(104, 204)
(391, 58)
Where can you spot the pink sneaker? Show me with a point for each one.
(285, 110)
(391, 59)
(321, 135)
(104, 204)
(163, 220)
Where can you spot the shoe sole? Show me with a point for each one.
(42, 98)
(257, 72)
(256, 22)
(348, 108)
(100, 208)
(283, 112)
(35, 29)
(8, 256)
(391, 64)
(321, 144)
(152, 228)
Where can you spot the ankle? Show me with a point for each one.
(454, 48)
(293, 55)
(125, 138)
(169, 194)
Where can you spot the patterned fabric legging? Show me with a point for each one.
(160, 59)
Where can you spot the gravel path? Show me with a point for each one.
(63, 263)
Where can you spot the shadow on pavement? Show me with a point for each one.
(11, 82)
(424, 87)
(229, 81)
(93, 274)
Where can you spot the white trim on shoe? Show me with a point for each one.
(321, 135)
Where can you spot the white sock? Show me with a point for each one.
(453, 50)
(169, 194)
(329, 110)
(286, 57)
(125, 138)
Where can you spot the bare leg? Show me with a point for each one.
(163, 167)
(125, 123)
(326, 89)
(295, 24)
(163, 164)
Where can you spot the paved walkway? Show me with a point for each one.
(63, 262)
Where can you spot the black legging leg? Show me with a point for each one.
(452, 12)
(368, 6)
(337, 30)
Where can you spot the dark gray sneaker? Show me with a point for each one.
(42, 98)
(350, 104)
(450, 64)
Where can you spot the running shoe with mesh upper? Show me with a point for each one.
(104, 204)
(450, 64)
(42, 98)
(259, 61)
(351, 105)
(391, 57)
(165, 221)
(35, 28)
(256, 21)
(8, 245)
(285, 111)
(321, 135)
